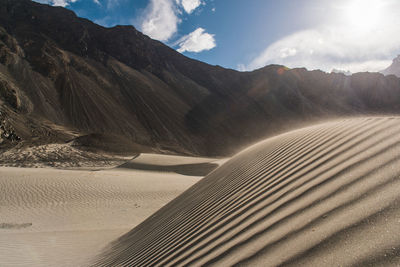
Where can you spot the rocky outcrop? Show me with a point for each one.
(7, 132)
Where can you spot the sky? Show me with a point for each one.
(345, 35)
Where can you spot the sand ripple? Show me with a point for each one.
(323, 195)
(51, 217)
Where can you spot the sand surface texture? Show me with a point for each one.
(327, 195)
(51, 217)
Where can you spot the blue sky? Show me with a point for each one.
(354, 35)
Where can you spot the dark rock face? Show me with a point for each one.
(393, 69)
(7, 132)
(64, 76)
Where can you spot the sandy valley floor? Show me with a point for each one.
(324, 195)
(53, 217)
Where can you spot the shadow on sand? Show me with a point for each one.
(197, 169)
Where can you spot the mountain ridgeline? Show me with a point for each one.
(63, 77)
(394, 68)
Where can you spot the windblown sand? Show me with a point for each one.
(51, 217)
(327, 195)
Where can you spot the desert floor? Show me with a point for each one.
(59, 217)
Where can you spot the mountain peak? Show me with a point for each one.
(393, 69)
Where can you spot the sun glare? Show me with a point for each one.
(364, 14)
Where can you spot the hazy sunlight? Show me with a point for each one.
(364, 15)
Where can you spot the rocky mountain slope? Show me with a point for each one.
(62, 77)
(393, 69)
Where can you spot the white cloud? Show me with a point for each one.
(160, 20)
(189, 5)
(196, 41)
(62, 3)
(355, 43)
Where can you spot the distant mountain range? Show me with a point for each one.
(393, 69)
(63, 77)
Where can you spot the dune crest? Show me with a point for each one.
(322, 195)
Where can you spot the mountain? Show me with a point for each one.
(64, 77)
(393, 69)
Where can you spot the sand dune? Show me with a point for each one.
(52, 217)
(326, 195)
